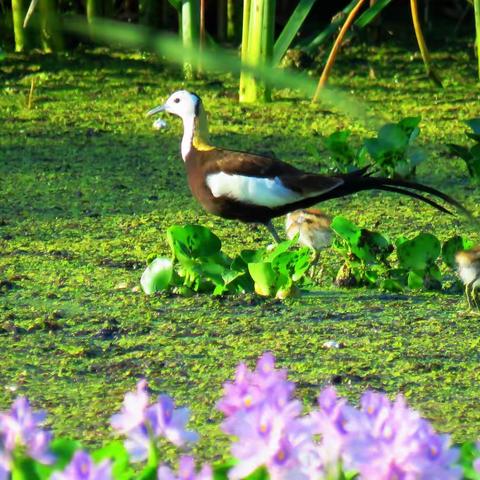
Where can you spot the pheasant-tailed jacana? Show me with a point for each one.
(256, 188)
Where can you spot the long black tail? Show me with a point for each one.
(361, 180)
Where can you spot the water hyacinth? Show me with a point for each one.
(20, 429)
(145, 423)
(382, 440)
(82, 468)
(265, 418)
(186, 471)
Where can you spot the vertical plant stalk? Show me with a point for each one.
(232, 20)
(51, 36)
(336, 46)
(30, 94)
(476, 7)
(259, 49)
(427, 59)
(190, 31)
(201, 45)
(222, 20)
(247, 6)
(18, 12)
(93, 12)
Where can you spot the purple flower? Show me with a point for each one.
(186, 471)
(133, 409)
(20, 427)
(331, 421)
(390, 440)
(251, 388)
(476, 465)
(82, 468)
(264, 418)
(144, 424)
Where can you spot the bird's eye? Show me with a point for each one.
(177, 100)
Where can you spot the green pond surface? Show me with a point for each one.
(88, 189)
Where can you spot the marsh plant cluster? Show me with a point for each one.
(272, 437)
(198, 265)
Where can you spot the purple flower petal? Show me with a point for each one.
(82, 468)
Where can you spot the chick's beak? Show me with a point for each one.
(155, 110)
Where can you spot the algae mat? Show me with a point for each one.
(88, 189)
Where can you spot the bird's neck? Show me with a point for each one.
(195, 134)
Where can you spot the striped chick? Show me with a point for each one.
(313, 229)
(468, 262)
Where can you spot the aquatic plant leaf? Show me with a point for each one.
(346, 230)
(280, 248)
(193, 241)
(371, 13)
(410, 126)
(452, 246)
(420, 252)
(415, 280)
(293, 264)
(157, 275)
(264, 277)
(474, 124)
(117, 453)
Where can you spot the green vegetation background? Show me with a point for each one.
(88, 188)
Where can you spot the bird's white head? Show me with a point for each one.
(184, 104)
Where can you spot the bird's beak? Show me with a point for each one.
(155, 110)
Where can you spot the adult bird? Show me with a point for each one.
(256, 188)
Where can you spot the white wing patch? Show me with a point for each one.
(254, 190)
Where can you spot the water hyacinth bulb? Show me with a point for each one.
(157, 275)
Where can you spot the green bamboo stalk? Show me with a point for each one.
(244, 76)
(94, 10)
(222, 20)
(51, 36)
(259, 49)
(190, 31)
(233, 19)
(476, 6)
(18, 13)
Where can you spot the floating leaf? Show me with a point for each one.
(420, 252)
(157, 275)
(193, 241)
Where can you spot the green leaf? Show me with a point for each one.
(313, 42)
(157, 275)
(371, 14)
(293, 264)
(459, 151)
(346, 230)
(415, 279)
(264, 277)
(176, 4)
(192, 241)
(452, 246)
(116, 452)
(393, 137)
(280, 248)
(291, 29)
(220, 470)
(419, 253)
(468, 454)
(474, 124)
(410, 126)
(148, 473)
(253, 256)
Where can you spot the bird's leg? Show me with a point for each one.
(475, 294)
(272, 230)
(467, 295)
(313, 266)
